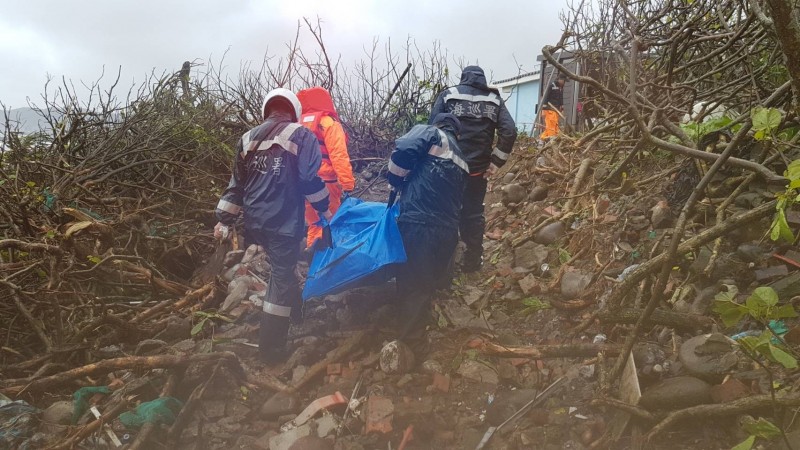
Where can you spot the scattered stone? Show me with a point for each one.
(660, 215)
(379, 414)
(441, 382)
(404, 380)
(537, 194)
(298, 373)
(476, 371)
(432, 366)
(472, 295)
(507, 403)
(460, 316)
(574, 282)
(233, 257)
(587, 371)
(214, 409)
(311, 443)
(787, 287)
(250, 253)
(396, 358)
(529, 284)
(59, 413)
(150, 346)
(730, 390)
(513, 193)
(751, 252)
(709, 356)
(602, 204)
(237, 292)
(280, 404)
(771, 272)
(676, 393)
(550, 233)
(509, 177)
(531, 255)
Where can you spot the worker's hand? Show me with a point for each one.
(328, 215)
(221, 231)
(346, 194)
(490, 171)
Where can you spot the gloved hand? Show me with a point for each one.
(490, 171)
(346, 194)
(221, 231)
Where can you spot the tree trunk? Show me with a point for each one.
(786, 19)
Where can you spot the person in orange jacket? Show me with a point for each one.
(319, 115)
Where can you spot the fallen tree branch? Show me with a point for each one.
(110, 365)
(336, 355)
(548, 351)
(733, 408)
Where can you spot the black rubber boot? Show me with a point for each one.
(272, 338)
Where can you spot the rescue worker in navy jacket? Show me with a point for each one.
(428, 169)
(482, 114)
(274, 172)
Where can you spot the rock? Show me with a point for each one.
(280, 404)
(676, 393)
(311, 443)
(237, 292)
(476, 371)
(461, 316)
(574, 282)
(529, 284)
(379, 414)
(648, 354)
(441, 382)
(432, 366)
(59, 413)
(787, 287)
(233, 257)
(537, 194)
(507, 403)
(509, 177)
(150, 346)
(749, 200)
(771, 272)
(396, 358)
(751, 252)
(250, 253)
(550, 233)
(709, 356)
(472, 295)
(513, 193)
(732, 389)
(531, 255)
(298, 373)
(660, 215)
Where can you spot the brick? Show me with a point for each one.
(334, 369)
(730, 390)
(379, 412)
(441, 382)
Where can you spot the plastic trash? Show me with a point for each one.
(159, 411)
(80, 400)
(18, 423)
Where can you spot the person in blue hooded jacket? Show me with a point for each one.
(482, 114)
(428, 169)
(274, 173)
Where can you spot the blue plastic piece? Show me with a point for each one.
(366, 242)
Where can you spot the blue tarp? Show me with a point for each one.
(366, 239)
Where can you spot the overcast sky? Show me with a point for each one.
(77, 38)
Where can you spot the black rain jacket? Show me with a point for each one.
(429, 170)
(275, 169)
(481, 112)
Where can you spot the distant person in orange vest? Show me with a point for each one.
(319, 116)
(552, 106)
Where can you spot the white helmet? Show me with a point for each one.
(285, 94)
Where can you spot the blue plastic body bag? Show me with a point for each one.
(366, 239)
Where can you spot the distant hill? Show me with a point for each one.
(27, 120)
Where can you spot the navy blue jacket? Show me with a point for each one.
(481, 112)
(429, 170)
(275, 169)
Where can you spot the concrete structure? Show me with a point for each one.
(521, 94)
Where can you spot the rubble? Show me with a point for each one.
(396, 358)
(675, 393)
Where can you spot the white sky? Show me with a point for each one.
(76, 39)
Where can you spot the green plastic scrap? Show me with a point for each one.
(159, 411)
(80, 400)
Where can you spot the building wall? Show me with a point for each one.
(522, 102)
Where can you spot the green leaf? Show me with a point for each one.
(783, 312)
(536, 304)
(793, 170)
(780, 228)
(730, 312)
(747, 444)
(766, 119)
(764, 296)
(781, 357)
(94, 259)
(762, 428)
(198, 327)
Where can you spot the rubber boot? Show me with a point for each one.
(272, 335)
